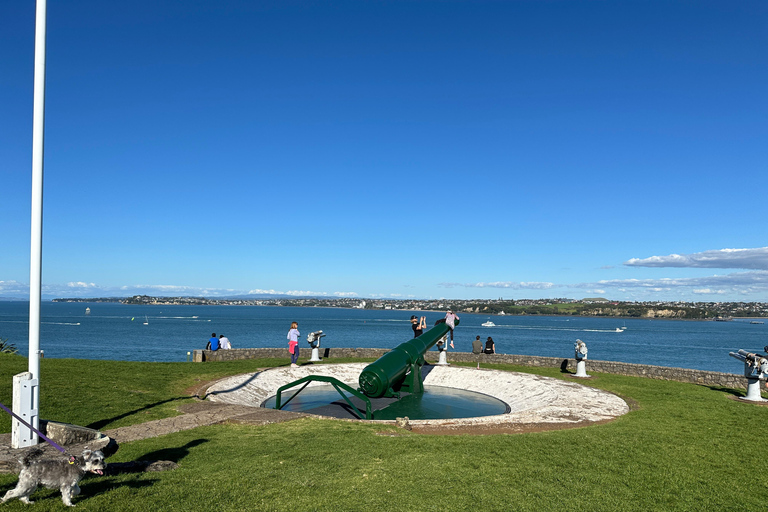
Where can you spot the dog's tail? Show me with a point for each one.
(29, 455)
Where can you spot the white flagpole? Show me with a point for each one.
(36, 238)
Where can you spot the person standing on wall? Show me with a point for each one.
(293, 344)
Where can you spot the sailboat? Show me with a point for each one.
(146, 320)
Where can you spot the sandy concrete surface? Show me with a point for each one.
(532, 399)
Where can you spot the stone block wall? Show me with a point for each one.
(706, 378)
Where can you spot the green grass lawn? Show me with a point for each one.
(682, 447)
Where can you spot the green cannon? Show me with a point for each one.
(396, 371)
(400, 368)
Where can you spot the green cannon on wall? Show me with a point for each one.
(399, 370)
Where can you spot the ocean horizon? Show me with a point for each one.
(166, 333)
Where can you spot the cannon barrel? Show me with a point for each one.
(738, 356)
(389, 370)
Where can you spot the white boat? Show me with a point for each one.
(87, 311)
(488, 324)
(502, 313)
(619, 329)
(146, 320)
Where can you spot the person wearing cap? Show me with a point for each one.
(418, 325)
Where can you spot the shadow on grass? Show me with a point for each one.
(239, 386)
(95, 486)
(172, 454)
(98, 425)
(739, 393)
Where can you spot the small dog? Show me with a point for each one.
(62, 474)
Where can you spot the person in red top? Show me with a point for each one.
(293, 344)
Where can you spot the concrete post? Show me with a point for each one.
(26, 407)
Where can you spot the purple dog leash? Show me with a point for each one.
(62, 450)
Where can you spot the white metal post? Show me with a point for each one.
(36, 238)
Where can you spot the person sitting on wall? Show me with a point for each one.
(477, 346)
(213, 343)
(490, 346)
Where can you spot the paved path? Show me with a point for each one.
(194, 415)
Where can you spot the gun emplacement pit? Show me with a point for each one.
(531, 402)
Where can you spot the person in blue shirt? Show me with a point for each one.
(213, 343)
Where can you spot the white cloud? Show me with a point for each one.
(724, 258)
(13, 289)
(504, 284)
(743, 283)
(345, 294)
(81, 284)
(707, 291)
(301, 293)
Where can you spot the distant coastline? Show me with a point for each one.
(591, 307)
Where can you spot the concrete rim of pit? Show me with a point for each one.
(532, 399)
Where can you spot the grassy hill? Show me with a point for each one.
(682, 447)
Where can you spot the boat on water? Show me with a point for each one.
(756, 322)
(619, 329)
(146, 320)
(488, 324)
(502, 313)
(87, 311)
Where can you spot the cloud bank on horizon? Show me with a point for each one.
(723, 258)
(741, 284)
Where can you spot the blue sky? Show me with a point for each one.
(516, 149)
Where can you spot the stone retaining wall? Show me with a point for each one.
(633, 370)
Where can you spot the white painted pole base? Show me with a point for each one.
(581, 369)
(442, 359)
(753, 391)
(24, 406)
(315, 355)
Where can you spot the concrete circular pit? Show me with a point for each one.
(535, 402)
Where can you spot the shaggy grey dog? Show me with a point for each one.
(61, 474)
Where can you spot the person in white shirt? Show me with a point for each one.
(224, 342)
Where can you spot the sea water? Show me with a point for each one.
(118, 331)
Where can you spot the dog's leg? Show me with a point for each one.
(66, 496)
(20, 492)
(75, 490)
